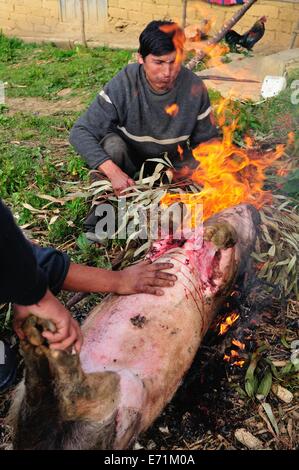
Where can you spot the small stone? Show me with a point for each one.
(164, 430)
(151, 445)
(248, 439)
(282, 393)
(137, 446)
(64, 92)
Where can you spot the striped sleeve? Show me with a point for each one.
(92, 126)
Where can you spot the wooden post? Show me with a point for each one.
(82, 17)
(226, 27)
(184, 15)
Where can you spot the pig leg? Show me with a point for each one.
(60, 396)
(222, 234)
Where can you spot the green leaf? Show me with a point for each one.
(265, 384)
(272, 250)
(286, 369)
(273, 368)
(291, 264)
(285, 343)
(250, 379)
(291, 187)
(82, 242)
(271, 417)
(142, 248)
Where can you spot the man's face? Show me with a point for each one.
(161, 71)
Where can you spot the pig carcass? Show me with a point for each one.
(136, 348)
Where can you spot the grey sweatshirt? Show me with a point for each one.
(128, 106)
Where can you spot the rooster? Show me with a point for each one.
(249, 39)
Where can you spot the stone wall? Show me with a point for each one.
(47, 19)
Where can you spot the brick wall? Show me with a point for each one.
(42, 19)
(282, 15)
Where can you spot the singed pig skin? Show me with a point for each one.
(147, 343)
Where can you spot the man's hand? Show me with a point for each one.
(119, 179)
(145, 277)
(68, 331)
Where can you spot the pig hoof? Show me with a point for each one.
(221, 234)
(33, 328)
(74, 410)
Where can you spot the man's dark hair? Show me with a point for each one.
(158, 38)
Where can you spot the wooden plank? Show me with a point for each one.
(96, 11)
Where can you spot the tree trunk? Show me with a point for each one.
(82, 19)
(220, 35)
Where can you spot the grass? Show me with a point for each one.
(36, 158)
(42, 71)
(29, 160)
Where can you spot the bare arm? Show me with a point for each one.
(142, 277)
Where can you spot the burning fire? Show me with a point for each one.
(234, 354)
(172, 109)
(282, 172)
(239, 363)
(229, 175)
(180, 152)
(215, 52)
(291, 138)
(238, 344)
(228, 322)
(178, 40)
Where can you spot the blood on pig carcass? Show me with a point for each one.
(136, 348)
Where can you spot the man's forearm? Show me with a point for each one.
(108, 168)
(82, 278)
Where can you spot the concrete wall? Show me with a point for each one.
(60, 19)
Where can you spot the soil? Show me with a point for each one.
(41, 107)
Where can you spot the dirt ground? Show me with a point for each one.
(41, 107)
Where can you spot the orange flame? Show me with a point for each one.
(238, 344)
(248, 141)
(229, 321)
(282, 171)
(178, 40)
(229, 175)
(215, 52)
(233, 354)
(195, 42)
(291, 138)
(239, 363)
(172, 109)
(180, 152)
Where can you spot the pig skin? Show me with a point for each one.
(147, 343)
